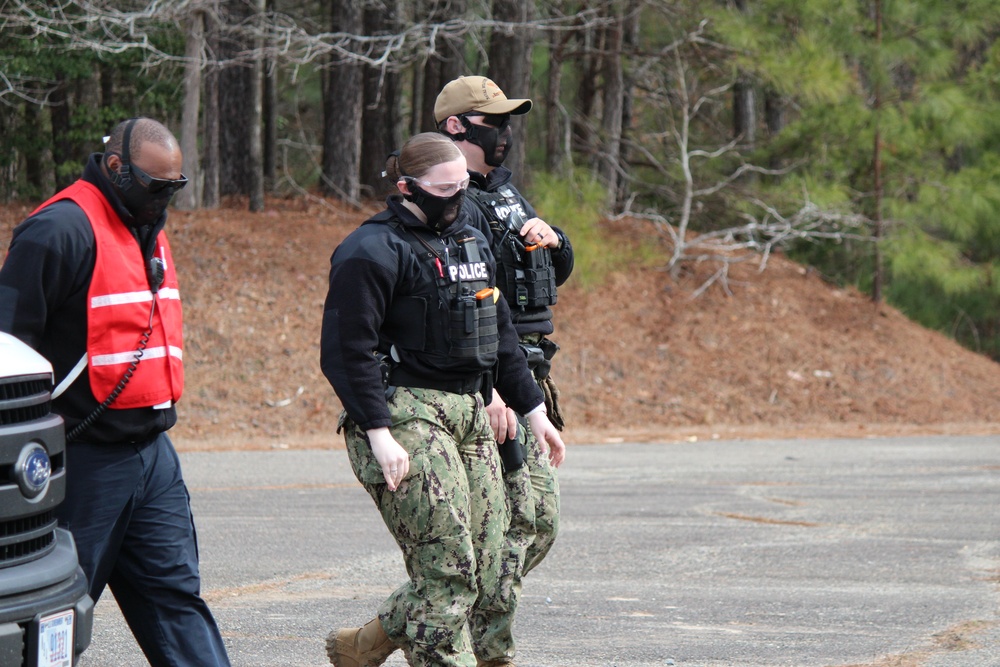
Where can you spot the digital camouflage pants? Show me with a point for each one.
(448, 516)
(533, 497)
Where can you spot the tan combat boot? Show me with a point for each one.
(502, 662)
(367, 646)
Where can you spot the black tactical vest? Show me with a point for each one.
(525, 274)
(449, 318)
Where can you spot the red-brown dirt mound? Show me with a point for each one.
(786, 355)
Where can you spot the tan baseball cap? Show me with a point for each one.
(478, 94)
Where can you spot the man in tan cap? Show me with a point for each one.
(533, 258)
(467, 99)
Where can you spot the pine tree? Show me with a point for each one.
(894, 122)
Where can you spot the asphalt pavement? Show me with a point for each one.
(802, 553)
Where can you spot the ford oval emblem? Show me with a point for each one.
(33, 470)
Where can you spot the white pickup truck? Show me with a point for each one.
(46, 615)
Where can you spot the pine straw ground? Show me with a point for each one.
(786, 355)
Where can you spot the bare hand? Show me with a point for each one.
(548, 437)
(538, 232)
(503, 420)
(395, 460)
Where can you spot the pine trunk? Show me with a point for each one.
(614, 94)
(445, 62)
(380, 131)
(235, 114)
(211, 192)
(342, 98)
(187, 199)
(270, 119)
(254, 122)
(510, 66)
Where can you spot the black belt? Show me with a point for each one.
(470, 385)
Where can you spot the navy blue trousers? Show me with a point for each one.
(130, 515)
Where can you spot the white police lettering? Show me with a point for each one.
(508, 202)
(503, 211)
(468, 272)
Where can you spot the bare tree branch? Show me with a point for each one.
(758, 238)
(105, 28)
(110, 27)
(26, 89)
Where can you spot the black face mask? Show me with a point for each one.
(146, 198)
(439, 211)
(489, 137)
(146, 208)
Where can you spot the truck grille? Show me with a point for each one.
(24, 400)
(26, 533)
(26, 538)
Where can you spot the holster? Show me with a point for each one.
(532, 353)
(385, 367)
(486, 389)
(513, 451)
(548, 349)
(540, 362)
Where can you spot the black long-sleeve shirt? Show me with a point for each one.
(43, 301)
(373, 266)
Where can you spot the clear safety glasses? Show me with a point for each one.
(446, 189)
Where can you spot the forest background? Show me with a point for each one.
(862, 138)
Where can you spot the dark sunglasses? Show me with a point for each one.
(157, 185)
(497, 120)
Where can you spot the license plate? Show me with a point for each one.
(55, 640)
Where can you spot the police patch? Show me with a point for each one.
(468, 271)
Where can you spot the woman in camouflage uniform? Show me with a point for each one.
(412, 328)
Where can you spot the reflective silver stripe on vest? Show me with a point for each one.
(122, 298)
(133, 297)
(127, 357)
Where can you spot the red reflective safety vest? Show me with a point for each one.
(118, 313)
